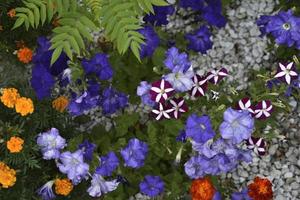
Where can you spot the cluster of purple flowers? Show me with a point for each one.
(160, 94)
(216, 156)
(284, 27)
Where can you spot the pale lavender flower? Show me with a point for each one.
(100, 186)
(46, 192)
(180, 81)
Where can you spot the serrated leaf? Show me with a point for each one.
(67, 50)
(18, 23)
(86, 21)
(135, 48)
(56, 54)
(159, 3)
(83, 31)
(43, 14)
(50, 10)
(66, 5)
(74, 44)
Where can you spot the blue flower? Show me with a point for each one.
(88, 150)
(51, 143)
(243, 195)
(73, 165)
(108, 164)
(181, 137)
(143, 90)
(112, 100)
(212, 13)
(100, 186)
(134, 154)
(194, 167)
(196, 5)
(98, 65)
(199, 128)
(237, 125)
(180, 81)
(46, 192)
(200, 40)
(177, 62)
(152, 186)
(262, 22)
(83, 103)
(160, 16)
(151, 39)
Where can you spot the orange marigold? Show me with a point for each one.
(15, 144)
(260, 189)
(60, 103)
(9, 97)
(7, 176)
(11, 13)
(24, 106)
(202, 189)
(25, 55)
(63, 186)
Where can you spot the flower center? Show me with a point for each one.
(203, 127)
(162, 91)
(286, 26)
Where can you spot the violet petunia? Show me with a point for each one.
(152, 186)
(108, 163)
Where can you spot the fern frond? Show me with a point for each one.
(95, 5)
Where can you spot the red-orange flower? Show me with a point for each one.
(260, 189)
(202, 189)
(25, 55)
(11, 13)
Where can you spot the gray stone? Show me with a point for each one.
(288, 175)
(273, 149)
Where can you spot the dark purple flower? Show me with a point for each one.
(93, 88)
(151, 40)
(243, 195)
(143, 90)
(177, 62)
(108, 164)
(88, 150)
(287, 73)
(161, 90)
(217, 196)
(245, 104)
(181, 137)
(263, 109)
(215, 76)
(200, 41)
(258, 145)
(273, 82)
(160, 16)
(199, 128)
(262, 22)
(98, 65)
(82, 103)
(199, 87)
(152, 186)
(162, 111)
(237, 126)
(212, 13)
(134, 154)
(112, 100)
(178, 106)
(42, 81)
(196, 5)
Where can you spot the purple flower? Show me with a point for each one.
(245, 104)
(46, 192)
(151, 39)
(243, 195)
(51, 143)
(199, 86)
(98, 65)
(263, 109)
(112, 100)
(161, 90)
(237, 125)
(200, 41)
(262, 22)
(108, 164)
(215, 76)
(178, 106)
(134, 154)
(152, 186)
(181, 137)
(160, 16)
(258, 145)
(100, 186)
(143, 90)
(42, 81)
(162, 112)
(287, 72)
(181, 82)
(88, 150)
(212, 13)
(82, 103)
(196, 5)
(93, 88)
(194, 167)
(199, 128)
(177, 62)
(217, 196)
(73, 165)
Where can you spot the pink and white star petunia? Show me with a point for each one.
(263, 109)
(178, 105)
(258, 145)
(162, 112)
(161, 90)
(245, 104)
(286, 72)
(199, 86)
(215, 76)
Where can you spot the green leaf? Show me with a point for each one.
(135, 48)
(74, 44)
(67, 50)
(50, 10)
(56, 54)
(159, 3)
(18, 22)
(124, 122)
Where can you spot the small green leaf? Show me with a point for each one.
(135, 48)
(18, 23)
(56, 54)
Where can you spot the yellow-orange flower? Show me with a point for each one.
(24, 106)
(202, 189)
(7, 176)
(60, 103)
(260, 189)
(63, 186)
(11, 13)
(15, 144)
(25, 55)
(9, 97)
